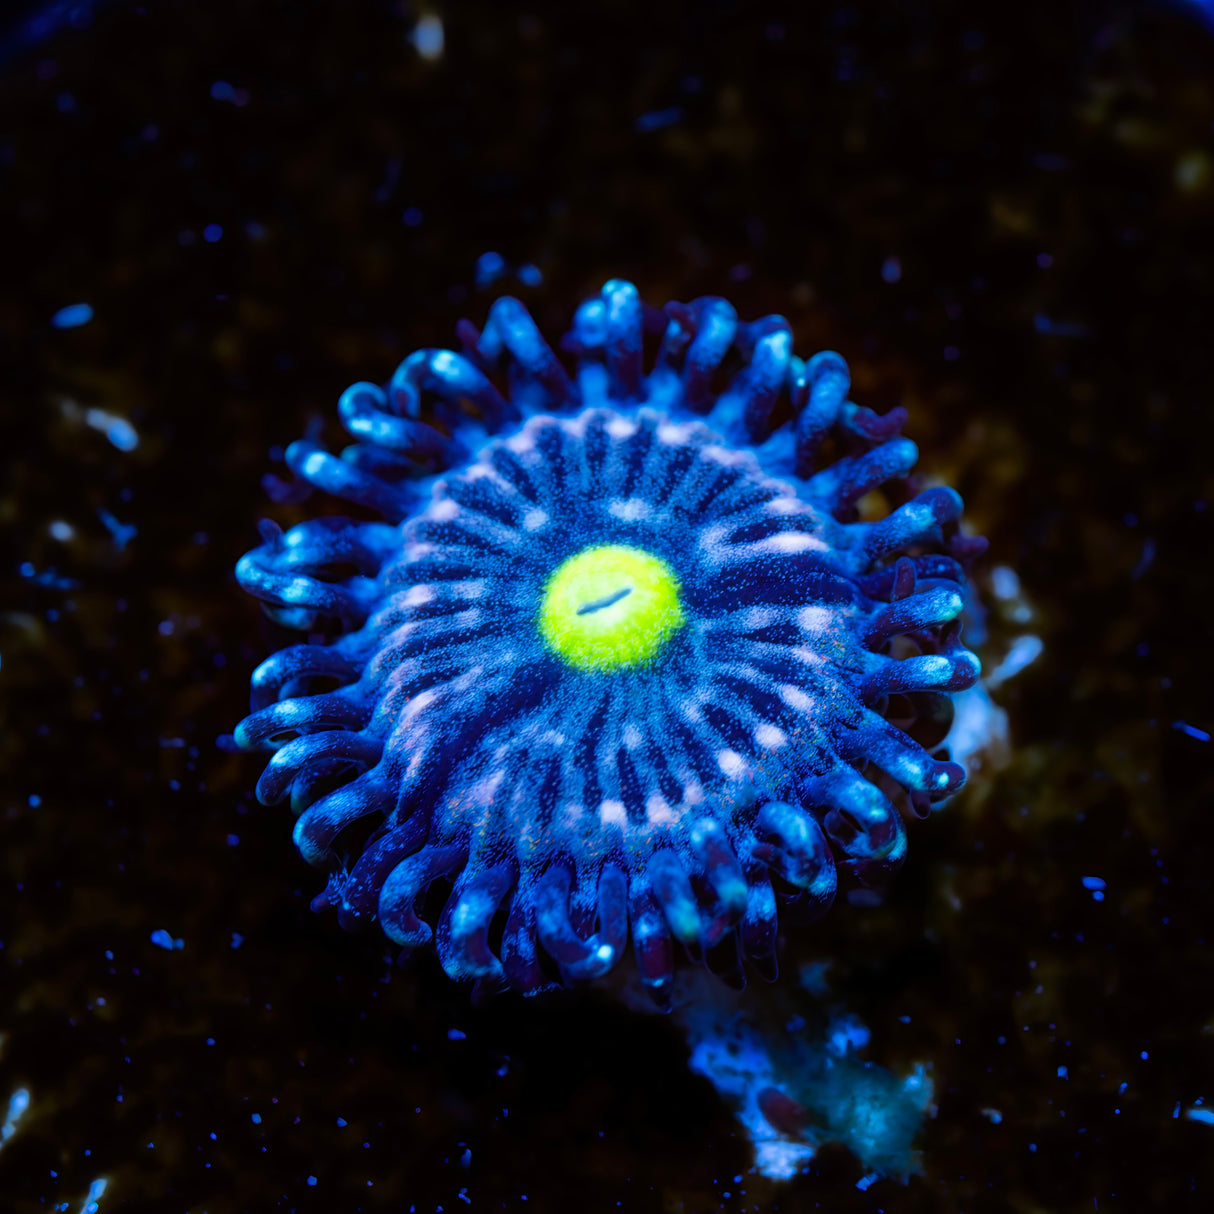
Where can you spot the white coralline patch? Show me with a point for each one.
(620, 428)
(658, 810)
(728, 457)
(418, 596)
(483, 791)
(788, 543)
(534, 519)
(632, 736)
(630, 510)
(418, 704)
(611, 813)
(794, 697)
(730, 762)
(786, 503)
(815, 620)
(769, 736)
(443, 510)
(674, 434)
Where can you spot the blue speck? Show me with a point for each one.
(1203, 1115)
(73, 316)
(865, 1181)
(1192, 731)
(311, 1181)
(655, 120)
(1093, 883)
(412, 217)
(212, 233)
(342, 1123)
(489, 268)
(122, 533)
(456, 1035)
(256, 1118)
(34, 800)
(1144, 1055)
(122, 434)
(162, 939)
(1062, 1074)
(237, 939)
(891, 269)
(530, 275)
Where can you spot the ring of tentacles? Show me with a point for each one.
(621, 658)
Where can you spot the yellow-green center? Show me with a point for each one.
(609, 607)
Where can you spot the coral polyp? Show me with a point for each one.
(622, 659)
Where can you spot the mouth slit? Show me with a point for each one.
(608, 600)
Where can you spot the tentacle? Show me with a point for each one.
(650, 940)
(452, 379)
(520, 950)
(724, 875)
(791, 843)
(510, 328)
(934, 566)
(928, 609)
(596, 954)
(363, 409)
(841, 485)
(760, 924)
(622, 347)
(312, 463)
(379, 461)
(361, 891)
(743, 411)
(862, 824)
(953, 669)
(820, 396)
(859, 422)
(298, 662)
(303, 715)
(288, 761)
(462, 937)
(405, 885)
(716, 322)
(324, 820)
(319, 779)
(901, 757)
(913, 523)
(304, 598)
(677, 337)
(672, 889)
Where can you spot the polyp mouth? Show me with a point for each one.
(610, 606)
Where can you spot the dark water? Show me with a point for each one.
(1001, 217)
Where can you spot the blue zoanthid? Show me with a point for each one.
(620, 656)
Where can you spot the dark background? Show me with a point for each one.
(1043, 175)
